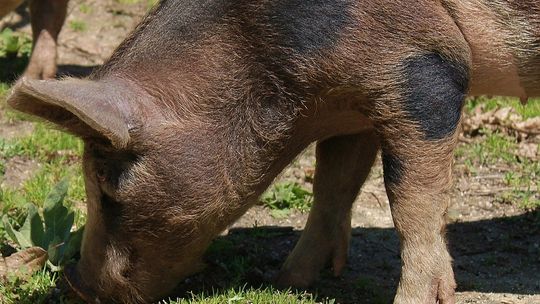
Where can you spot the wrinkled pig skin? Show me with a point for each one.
(207, 101)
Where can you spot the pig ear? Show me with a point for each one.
(83, 107)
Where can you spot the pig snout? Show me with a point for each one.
(77, 286)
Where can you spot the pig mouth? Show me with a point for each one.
(76, 284)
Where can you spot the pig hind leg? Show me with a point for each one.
(343, 164)
(418, 146)
(47, 19)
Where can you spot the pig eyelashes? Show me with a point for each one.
(101, 175)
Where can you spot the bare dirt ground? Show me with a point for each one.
(496, 246)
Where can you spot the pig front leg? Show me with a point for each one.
(418, 144)
(343, 164)
(47, 19)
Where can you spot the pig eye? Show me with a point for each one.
(101, 174)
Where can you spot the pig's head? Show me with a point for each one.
(154, 187)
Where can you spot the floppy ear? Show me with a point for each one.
(83, 107)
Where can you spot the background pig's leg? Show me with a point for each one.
(47, 19)
(418, 144)
(343, 164)
(6, 6)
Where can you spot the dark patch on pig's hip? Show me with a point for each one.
(307, 26)
(392, 169)
(435, 89)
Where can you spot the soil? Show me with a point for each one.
(18, 170)
(495, 246)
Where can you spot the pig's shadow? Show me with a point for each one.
(500, 255)
(74, 70)
(12, 67)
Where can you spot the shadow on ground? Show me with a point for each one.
(500, 255)
(73, 70)
(13, 67)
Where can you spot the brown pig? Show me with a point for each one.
(47, 17)
(207, 101)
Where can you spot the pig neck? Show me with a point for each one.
(253, 160)
(255, 153)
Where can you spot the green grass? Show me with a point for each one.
(531, 109)
(149, 3)
(85, 8)
(252, 296)
(4, 89)
(522, 175)
(78, 25)
(43, 144)
(32, 290)
(56, 151)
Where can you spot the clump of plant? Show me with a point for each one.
(283, 197)
(12, 44)
(52, 232)
(15, 49)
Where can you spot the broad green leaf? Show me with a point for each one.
(58, 232)
(66, 226)
(56, 196)
(54, 224)
(64, 236)
(54, 213)
(32, 228)
(73, 245)
(9, 229)
(54, 250)
(15, 235)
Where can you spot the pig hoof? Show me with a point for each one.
(40, 72)
(440, 291)
(445, 291)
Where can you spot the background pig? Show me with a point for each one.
(196, 113)
(47, 19)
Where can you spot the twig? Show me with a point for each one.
(378, 200)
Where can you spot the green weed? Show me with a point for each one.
(78, 25)
(85, 8)
(52, 231)
(14, 44)
(252, 296)
(15, 50)
(283, 197)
